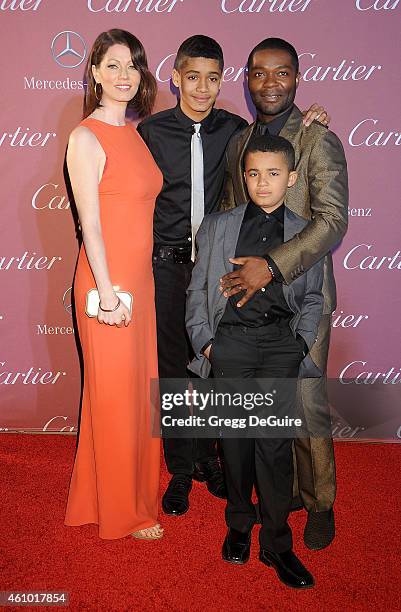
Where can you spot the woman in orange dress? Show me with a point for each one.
(115, 181)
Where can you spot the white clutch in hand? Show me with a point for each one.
(93, 301)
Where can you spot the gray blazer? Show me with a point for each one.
(217, 240)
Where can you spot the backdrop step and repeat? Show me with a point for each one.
(350, 62)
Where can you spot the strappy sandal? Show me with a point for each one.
(149, 533)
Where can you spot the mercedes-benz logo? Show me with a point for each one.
(68, 49)
(67, 300)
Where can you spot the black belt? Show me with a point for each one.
(175, 254)
(255, 331)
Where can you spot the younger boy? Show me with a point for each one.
(268, 337)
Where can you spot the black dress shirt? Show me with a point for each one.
(259, 231)
(273, 127)
(168, 136)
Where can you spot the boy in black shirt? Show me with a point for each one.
(269, 337)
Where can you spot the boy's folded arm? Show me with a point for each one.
(312, 307)
(196, 314)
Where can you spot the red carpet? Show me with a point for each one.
(183, 572)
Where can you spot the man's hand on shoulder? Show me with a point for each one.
(316, 113)
(253, 275)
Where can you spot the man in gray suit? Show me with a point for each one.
(270, 337)
(320, 195)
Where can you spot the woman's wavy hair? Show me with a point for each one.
(142, 103)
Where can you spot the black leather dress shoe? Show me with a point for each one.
(289, 568)
(198, 473)
(175, 500)
(236, 547)
(211, 473)
(319, 530)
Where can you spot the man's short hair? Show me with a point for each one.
(199, 46)
(272, 144)
(276, 43)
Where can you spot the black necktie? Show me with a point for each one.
(262, 129)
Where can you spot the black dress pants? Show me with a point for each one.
(174, 354)
(266, 352)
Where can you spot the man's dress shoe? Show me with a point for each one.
(289, 568)
(236, 547)
(175, 500)
(211, 473)
(319, 530)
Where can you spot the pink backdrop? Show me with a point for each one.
(350, 60)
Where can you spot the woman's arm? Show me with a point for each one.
(85, 161)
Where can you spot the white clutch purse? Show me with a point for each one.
(93, 301)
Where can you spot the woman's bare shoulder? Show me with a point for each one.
(83, 139)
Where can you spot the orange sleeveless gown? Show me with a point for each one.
(115, 479)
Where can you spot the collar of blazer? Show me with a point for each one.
(293, 224)
(289, 130)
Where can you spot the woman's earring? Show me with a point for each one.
(96, 94)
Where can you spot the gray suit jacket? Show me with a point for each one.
(217, 240)
(320, 194)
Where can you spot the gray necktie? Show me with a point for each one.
(197, 187)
